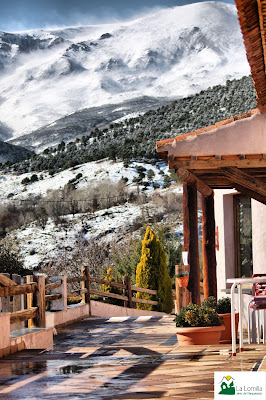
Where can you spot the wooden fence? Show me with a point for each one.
(27, 299)
(127, 297)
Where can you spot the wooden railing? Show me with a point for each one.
(34, 295)
(34, 310)
(127, 297)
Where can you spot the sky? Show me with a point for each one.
(18, 15)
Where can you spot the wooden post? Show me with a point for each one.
(182, 293)
(6, 300)
(129, 291)
(179, 299)
(17, 303)
(29, 299)
(188, 298)
(125, 290)
(208, 247)
(190, 216)
(185, 218)
(86, 298)
(39, 301)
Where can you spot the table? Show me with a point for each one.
(239, 282)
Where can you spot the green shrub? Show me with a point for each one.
(224, 305)
(111, 289)
(152, 273)
(210, 302)
(25, 181)
(10, 259)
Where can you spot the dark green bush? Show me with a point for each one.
(210, 302)
(224, 305)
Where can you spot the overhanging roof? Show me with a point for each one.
(231, 154)
(252, 19)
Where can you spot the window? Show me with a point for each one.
(243, 236)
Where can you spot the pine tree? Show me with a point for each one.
(152, 274)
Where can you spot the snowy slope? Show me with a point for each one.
(39, 244)
(45, 75)
(93, 173)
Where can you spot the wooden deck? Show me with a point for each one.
(121, 358)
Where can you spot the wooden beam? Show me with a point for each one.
(76, 279)
(250, 193)
(208, 247)
(16, 290)
(242, 178)
(142, 290)
(107, 294)
(191, 236)
(214, 164)
(23, 315)
(5, 281)
(188, 177)
(144, 301)
(244, 182)
(108, 283)
(54, 285)
(51, 297)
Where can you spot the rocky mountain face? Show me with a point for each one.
(48, 75)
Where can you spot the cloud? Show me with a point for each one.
(41, 14)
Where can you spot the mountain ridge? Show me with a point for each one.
(171, 54)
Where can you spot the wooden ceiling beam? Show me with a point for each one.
(246, 184)
(250, 193)
(244, 179)
(189, 178)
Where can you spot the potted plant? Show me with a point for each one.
(223, 308)
(182, 278)
(198, 325)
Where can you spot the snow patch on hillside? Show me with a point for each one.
(92, 174)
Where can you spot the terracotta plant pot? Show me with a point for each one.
(199, 335)
(226, 336)
(182, 281)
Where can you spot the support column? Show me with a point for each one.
(190, 220)
(208, 247)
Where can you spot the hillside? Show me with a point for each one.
(11, 153)
(135, 138)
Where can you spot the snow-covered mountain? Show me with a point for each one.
(45, 75)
